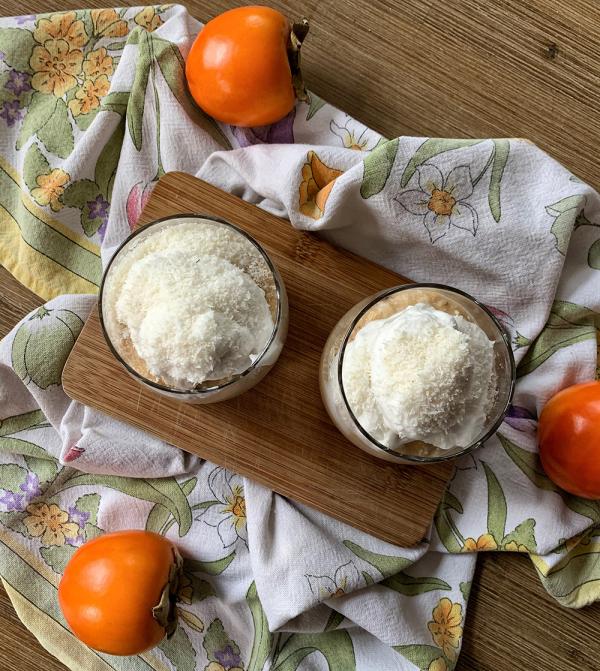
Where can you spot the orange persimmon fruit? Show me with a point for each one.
(244, 67)
(569, 439)
(118, 591)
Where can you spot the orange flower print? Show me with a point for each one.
(55, 67)
(484, 542)
(98, 63)
(50, 523)
(513, 546)
(317, 181)
(89, 95)
(446, 627)
(148, 19)
(106, 23)
(441, 200)
(63, 26)
(50, 188)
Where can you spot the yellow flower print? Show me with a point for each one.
(317, 181)
(49, 522)
(228, 514)
(148, 19)
(446, 626)
(106, 23)
(513, 546)
(484, 542)
(98, 63)
(89, 95)
(215, 666)
(50, 188)
(64, 26)
(56, 66)
(438, 664)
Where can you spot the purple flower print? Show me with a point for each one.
(281, 132)
(18, 82)
(12, 500)
(31, 486)
(75, 542)
(521, 419)
(11, 112)
(80, 517)
(228, 658)
(98, 209)
(25, 19)
(2, 56)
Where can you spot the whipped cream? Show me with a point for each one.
(420, 375)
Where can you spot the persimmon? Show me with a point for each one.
(118, 591)
(569, 439)
(244, 67)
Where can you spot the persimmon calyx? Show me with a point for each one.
(165, 612)
(297, 36)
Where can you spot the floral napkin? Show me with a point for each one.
(93, 110)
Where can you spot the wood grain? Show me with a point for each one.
(278, 433)
(463, 68)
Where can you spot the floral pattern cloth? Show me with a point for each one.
(93, 110)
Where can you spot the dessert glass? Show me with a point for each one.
(382, 305)
(211, 390)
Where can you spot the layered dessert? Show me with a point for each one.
(415, 375)
(190, 305)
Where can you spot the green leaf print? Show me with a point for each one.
(90, 225)
(91, 531)
(377, 168)
(106, 166)
(335, 619)
(576, 583)
(84, 121)
(46, 469)
(420, 655)
(262, 641)
(116, 101)
(335, 646)
(501, 152)
(17, 423)
(25, 447)
(410, 586)
(178, 649)
(202, 589)
(137, 96)
(523, 535)
(368, 578)
(57, 134)
(565, 213)
(430, 148)
(594, 255)
(34, 164)
(89, 503)
(40, 109)
(216, 639)
(529, 464)
(465, 589)
(79, 193)
(42, 344)
(12, 476)
(210, 567)
(314, 105)
(165, 491)
(445, 527)
(496, 505)
(57, 556)
(17, 44)
(386, 564)
(568, 323)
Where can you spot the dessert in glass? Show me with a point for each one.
(193, 307)
(417, 373)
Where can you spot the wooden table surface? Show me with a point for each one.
(450, 68)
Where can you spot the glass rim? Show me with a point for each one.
(411, 457)
(277, 321)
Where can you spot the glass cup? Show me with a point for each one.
(209, 391)
(377, 307)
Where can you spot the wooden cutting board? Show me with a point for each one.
(278, 434)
